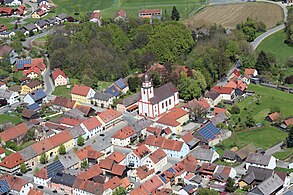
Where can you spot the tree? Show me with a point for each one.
(230, 185)
(206, 191)
(262, 62)
(31, 33)
(16, 45)
(23, 168)
(30, 134)
(119, 191)
(80, 141)
(84, 164)
(62, 149)
(290, 138)
(188, 88)
(43, 158)
(175, 14)
(133, 83)
(20, 35)
(12, 145)
(235, 110)
(56, 158)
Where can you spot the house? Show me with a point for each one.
(5, 51)
(3, 28)
(287, 123)
(96, 17)
(190, 139)
(29, 114)
(207, 170)
(273, 117)
(137, 157)
(174, 119)
(227, 93)
(61, 17)
(2, 153)
(213, 98)
(82, 186)
(34, 191)
(205, 155)
(62, 103)
(109, 118)
(13, 2)
(41, 24)
(38, 14)
(16, 133)
(89, 154)
(63, 182)
(156, 160)
(17, 185)
(229, 156)
(112, 90)
(238, 85)
(112, 168)
(52, 21)
(124, 136)
(118, 158)
(29, 28)
(31, 86)
(260, 160)
(222, 173)
(38, 96)
(234, 75)
(92, 126)
(243, 153)
(59, 78)
(26, 64)
(44, 175)
(11, 163)
(92, 173)
(120, 15)
(142, 174)
(158, 130)
(272, 185)
(250, 72)
(129, 104)
(121, 85)
(81, 93)
(149, 187)
(208, 134)
(103, 100)
(32, 73)
(173, 148)
(156, 102)
(150, 13)
(199, 106)
(10, 96)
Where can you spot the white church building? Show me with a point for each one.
(155, 102)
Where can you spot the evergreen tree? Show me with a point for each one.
(23, 168)
(175, 14)
(62, 149)
(230, 185)
(290, 138)
(80, 141)
(262, 63)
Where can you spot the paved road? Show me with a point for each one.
(48, 82)
(274, 149)
(29, 40)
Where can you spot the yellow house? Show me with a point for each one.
(31, 86)
(83, 94)
(36, 15)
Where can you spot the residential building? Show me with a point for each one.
(227, 93)
(109, 118)
(11, 163)
(156, 102)
(103, 100)
(150, 13)
(243, 153)
(96, 17)
(124, 136)
(31, 86)
(10, 96)
(120, 15)
(81, 93)
(89, 154)
(63, 182)
(208, 134)
(205, 155)
(213, 98)
(207, 170)
(62, 103)
(149, 187)
(88, 187)
(260, 160)
(92, 127)
(17, 185)
(250, 72)
(59, 77)
(156, 160)
(222, 174)
(129, 104)
(272, 185)
(13, 2)
(38, 96)
(38, 14)
(137, 157)
(121, 85)
(16, 133)
(61, 17)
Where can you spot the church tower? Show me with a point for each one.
(147, 90)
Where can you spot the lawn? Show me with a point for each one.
(268, 97)
(283, 155)
(109, 8)
(8, 22)
(264, 138)
(232, 14)
(275, 44)
(62, 91)
(25, 145)
(103, 85)
(5, 118)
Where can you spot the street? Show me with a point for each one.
(48, 83)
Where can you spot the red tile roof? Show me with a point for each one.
(112, 183)
(63, 102)
(164, 143)
(249, 71)
(7, 10)
(157, 155)
(141, 151)
(14, 132)
(42, 173)
(289, 121)
(207, 168)
(92, 123)
(88, 152)
(143, 172)
(236, 72)
(35, 192)
(16, 183)
(88, 186)
(39, 62)
(124, 133)
(219, 110)
(118, 169)
(172, 116)
(32, 69)
(80, 90)
(2, 150)
(106, 164)
(223, 90)
(274, 116)
(58, 72)
(70, 121)
(121, 13)
(117, 156)
(94, 171)
(12, 160)
(109, 115)
(125, 182)
(148, 187)
(204, 103)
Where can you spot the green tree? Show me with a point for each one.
(175, 14)
(62, 149)
(290, 138)
(12, 145)
(16, 45)
(188, 88)
(119, 191)
(84, 164)
(23, 168)
(262, 62)
(31, 33)
(80, 141)
(30, 134)
(206, 191)
(56, 158)
(230, 185)
(20, 36)
(43, 158)
(133, 83)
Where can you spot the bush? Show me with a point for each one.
(235, 110)
(289, 79)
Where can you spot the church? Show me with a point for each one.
(155, 102)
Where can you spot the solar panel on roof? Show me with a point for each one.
(4, 187)
(163, 179)
(54, 167)
(209, 131)
(171, 170)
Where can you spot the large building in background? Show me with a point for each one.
(155, 102)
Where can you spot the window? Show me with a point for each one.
(169, 101)
(163, 105)
(143, 91)
(166, 103)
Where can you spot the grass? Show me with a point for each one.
(109, 8)
(283, 155)
(5, 118)
(103, 85)
(264, 137)
(275, 44)
(62, 91)
(268, 97)
(284, 170)
(25, 145)
(8, 22)
(232, 14)
(7, 152)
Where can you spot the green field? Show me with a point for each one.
(275, 44)
(131, 7)
(62, 91)
(264, 138)
(284, 154)
(268, 97)
(5, 118)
